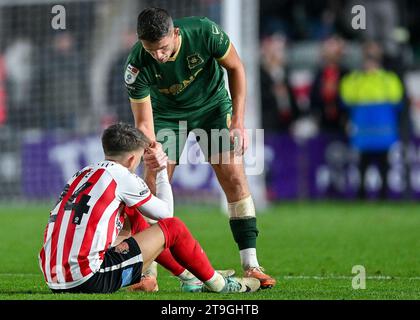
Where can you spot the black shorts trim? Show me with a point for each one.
(119, 269)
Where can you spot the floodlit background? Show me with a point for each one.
(60, 88)
(340, 110)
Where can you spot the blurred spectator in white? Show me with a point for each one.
(117, 93)
(278, 103)
(18, 62)
(374, 97)
(325, 99)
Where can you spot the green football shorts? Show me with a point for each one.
(211, 128)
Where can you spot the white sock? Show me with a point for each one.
(215, 283)
(186, 276)
(249, 258)
(152, 270)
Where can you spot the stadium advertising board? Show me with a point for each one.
(317, 168)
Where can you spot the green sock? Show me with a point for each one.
(244, 232)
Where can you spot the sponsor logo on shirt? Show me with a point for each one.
(176, 89)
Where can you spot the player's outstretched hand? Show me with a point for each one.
(155, 158)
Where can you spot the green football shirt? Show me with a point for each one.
(191, 82)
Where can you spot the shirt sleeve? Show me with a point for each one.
(133, 191)
(161, 206)
(135, 80)
(217, 41)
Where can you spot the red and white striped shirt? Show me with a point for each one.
(86, 221)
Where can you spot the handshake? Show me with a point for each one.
(154, 157)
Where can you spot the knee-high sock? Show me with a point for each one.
(165, 259)
(244, 232)
(243, 222)
(186, 250)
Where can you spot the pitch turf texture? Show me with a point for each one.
(310, 248)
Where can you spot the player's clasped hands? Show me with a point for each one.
(239, 138)
(154, 157)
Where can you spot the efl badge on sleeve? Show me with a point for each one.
(131, 74)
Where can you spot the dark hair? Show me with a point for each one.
(121, 137)
(153, 24)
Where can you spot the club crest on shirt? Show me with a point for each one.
(194, 60)
(131, 74)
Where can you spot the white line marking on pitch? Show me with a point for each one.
(19, 274)
(349, 277)
(285, 277)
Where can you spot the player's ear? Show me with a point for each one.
(132, 161)
(131, 158)
(176, 31)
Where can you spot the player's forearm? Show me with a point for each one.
(164, 189)
(160, 206)
(143, 118)
(147, 129)
(237, 86)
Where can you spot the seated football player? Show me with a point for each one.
(77, 255)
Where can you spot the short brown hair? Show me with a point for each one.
(153, 24)
(122, 137)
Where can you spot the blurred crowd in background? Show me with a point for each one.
(318, 75)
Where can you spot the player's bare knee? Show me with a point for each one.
(235, 188)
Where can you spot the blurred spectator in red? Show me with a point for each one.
(279, 108)
(325, 99)
(374, 97)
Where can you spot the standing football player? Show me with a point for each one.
(174, 74)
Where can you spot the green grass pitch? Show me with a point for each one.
(309, 247)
